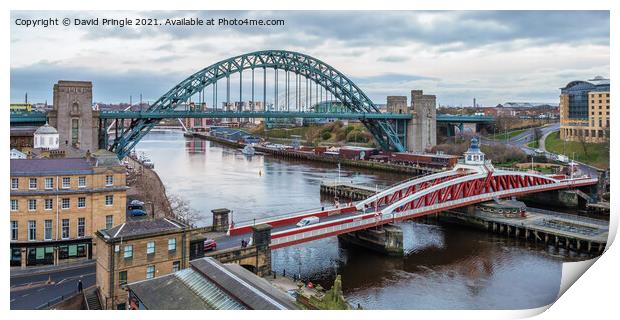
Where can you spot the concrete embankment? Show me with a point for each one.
(321, 158)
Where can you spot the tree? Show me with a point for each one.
(182, 210)
(582, 141)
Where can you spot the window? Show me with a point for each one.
(65, 228)
(14, 230)
(32, 184)
(66, 203)
(14, 206)
(109, 180)
(109, 221)
(81, 202)
(75, 129)
(32, 204)
(607, 124)
(49, 183)
(32, 230)
(66, 182)
(47, 231)
(172, 244)
(109, 200)
(150, 272)
(49, 204)
(81, 182)
(150, 247)
(81, 226)
(122, 278)
(14, 183)
(176, 266)
(128, 254)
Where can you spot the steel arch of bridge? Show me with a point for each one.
(320, 73)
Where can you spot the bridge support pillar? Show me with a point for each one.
(220, 219)
(387, 240)
(261, 238)
(422, 129)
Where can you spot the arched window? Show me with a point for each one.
(75, 108)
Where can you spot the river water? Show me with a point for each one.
(446, 266)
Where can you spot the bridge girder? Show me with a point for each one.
(469, 186)
(332, 80)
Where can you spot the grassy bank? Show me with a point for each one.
(507, 135)
(595, 154)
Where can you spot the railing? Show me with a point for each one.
(246, 223)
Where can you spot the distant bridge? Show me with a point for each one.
(307, 82)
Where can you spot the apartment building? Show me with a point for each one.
(58, 204)
(139, 250)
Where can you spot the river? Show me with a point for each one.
(446, 266)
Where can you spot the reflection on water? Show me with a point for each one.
(447, 267)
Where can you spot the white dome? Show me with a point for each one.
(46, 137)
(46, 129)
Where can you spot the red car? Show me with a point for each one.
(210, 244)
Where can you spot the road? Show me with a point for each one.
(228, 242)
(521, 140)
(32, 290)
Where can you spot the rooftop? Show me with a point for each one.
(208, 284)
(141, 228)
(36, 167)
(46, 129)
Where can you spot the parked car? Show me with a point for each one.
(307, 221)
(210, 244)
(137, 212)
(135, 204)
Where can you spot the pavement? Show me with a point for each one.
(30, 290)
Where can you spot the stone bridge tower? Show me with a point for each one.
(422, 129)
(73, 115)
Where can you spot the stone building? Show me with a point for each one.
(73, 115)
(57, 205)
(139, 250)
(584, 111)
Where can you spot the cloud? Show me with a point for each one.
(39, 80)
(454, 54)
(393, 59)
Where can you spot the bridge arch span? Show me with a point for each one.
(315, 70)
(474, 187)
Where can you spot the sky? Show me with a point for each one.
(493, 56)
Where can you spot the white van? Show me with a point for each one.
(307, 221)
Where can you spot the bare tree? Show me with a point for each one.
(182, 210)
(582, 141)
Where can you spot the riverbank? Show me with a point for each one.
(319, 158)
(146, 185)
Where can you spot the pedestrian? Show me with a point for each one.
(242, 243)
(284, 272)
(79, 285)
